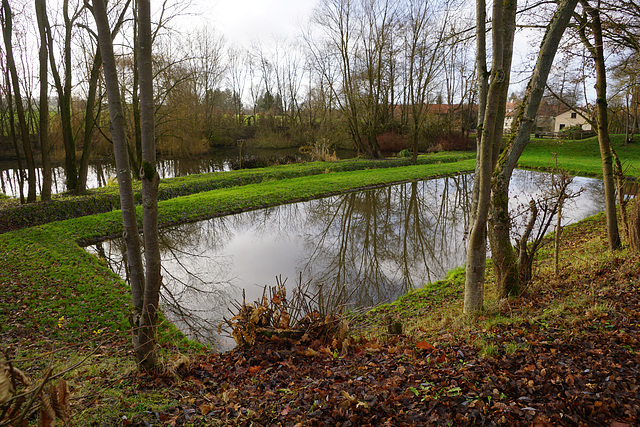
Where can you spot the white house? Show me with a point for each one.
(568, 119)
(509, 118)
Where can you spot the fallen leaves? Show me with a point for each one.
(584, 375)
(423, 345)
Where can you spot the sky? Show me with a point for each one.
(243, 21)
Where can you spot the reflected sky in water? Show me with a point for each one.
(363, 248)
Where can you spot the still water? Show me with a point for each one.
(363, 248)
(102, 172)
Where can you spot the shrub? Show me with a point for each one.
(320, 151)
(33, 214)
(392, 142)
(453, 142)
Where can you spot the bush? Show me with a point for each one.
(320, 151)
(33, 214)
(453, 142)
(391, 142)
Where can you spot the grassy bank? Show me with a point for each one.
(555, 315)
(579, 157)
(49, 277)
(105, 199)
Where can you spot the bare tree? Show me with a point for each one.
(64, 87)
(41, 13)
(358, 39)
(423, 51)
(590, 30)
(505, 261)
(146, 324)
(131, 235)
(7, 28)
(503, 31)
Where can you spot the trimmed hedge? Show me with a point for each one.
(33, 214)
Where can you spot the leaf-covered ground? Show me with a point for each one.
(567, 354)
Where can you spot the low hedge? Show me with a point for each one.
(33, 214)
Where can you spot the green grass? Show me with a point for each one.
(61, 304)
(52, 288)
(255, 196)
(579, 157)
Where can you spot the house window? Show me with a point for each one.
(562, 126)
(574, 115)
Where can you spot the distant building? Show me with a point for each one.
(569, 119)
(510, 117)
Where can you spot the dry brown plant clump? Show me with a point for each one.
(300, 317)
(20, 398)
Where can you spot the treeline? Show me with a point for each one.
(375, 76)
(399, 75)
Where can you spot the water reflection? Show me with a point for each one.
(366, 247)
(101, 172)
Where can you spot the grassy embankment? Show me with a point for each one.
(51, 287)
(105, 199)
(579, 157)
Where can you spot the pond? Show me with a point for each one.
(362, 248)
(102, 172)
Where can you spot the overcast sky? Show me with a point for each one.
(243, 21)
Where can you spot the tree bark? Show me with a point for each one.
(41, 12)
(89, 118)
(118, 136)
(22, 121)
(502, 40)
(14, 137)
(146, 353)
(604, 142)
(505, 260)
(89, 111)
(634, 225)
(483, 87)
(64, 97)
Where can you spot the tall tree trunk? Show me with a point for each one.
(634, 225)
(505, 260)
(135, 99)
(483, 87)
(89, 112)
(597, 52)
(146, 353)
(14, 137)
(41, 12)
(22, 121)
(502, 39)
(118, 136)
(64, 96)
(89, 118)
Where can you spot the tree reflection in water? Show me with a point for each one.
(383, 242)
(361, 248)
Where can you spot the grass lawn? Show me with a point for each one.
(579, 157)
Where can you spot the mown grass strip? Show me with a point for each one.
(254, 196)
(106, 199)
(579, 157)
